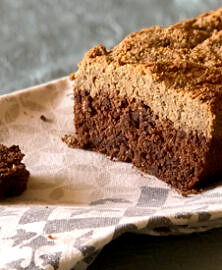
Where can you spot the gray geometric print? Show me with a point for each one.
(85, 224)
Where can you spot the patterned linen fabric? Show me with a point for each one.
(78, 201)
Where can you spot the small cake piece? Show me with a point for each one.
(13, 174)
(156, 100)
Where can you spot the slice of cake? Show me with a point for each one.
(13, 174)
(156, 100)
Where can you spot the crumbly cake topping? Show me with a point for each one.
(184, 55)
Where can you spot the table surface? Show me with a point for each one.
(43, 40)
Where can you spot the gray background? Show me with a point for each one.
(41, 40)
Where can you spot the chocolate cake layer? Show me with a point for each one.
(129, 131)
(13, 174)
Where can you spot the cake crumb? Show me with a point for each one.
(72, 76)
(71, 141)
(43, 118)
(51, 237)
